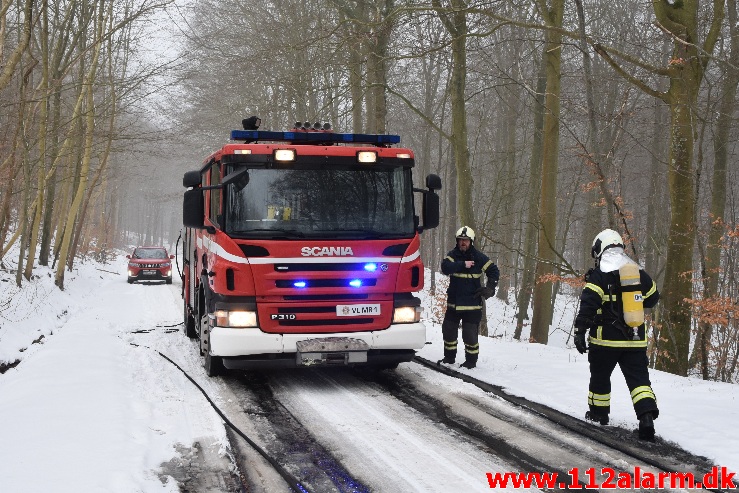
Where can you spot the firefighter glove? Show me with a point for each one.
(580, 343)
(485, 292)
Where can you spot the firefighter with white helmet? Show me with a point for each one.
(612, 308)
(465, 266)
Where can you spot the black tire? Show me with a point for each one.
(169, 281)
(190, 329)
(130, 280)
(213, 365)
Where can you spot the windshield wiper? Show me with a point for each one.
(369, 233)
(293, 232)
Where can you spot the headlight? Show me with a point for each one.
(130, 272)
(236, 318)
(166, 264)
(407, 314)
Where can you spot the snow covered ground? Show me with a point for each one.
(85, 410)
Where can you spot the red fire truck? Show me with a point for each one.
(301, 248)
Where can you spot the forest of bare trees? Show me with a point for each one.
(548, 120)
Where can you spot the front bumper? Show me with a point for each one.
(149, 274)
(396, 343)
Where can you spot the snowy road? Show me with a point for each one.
(93, 407)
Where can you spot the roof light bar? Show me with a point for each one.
(314, 137)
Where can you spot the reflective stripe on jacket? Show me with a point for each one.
(464, 282)
(601, 310)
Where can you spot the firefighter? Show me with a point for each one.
(611, 308)
(465, 266)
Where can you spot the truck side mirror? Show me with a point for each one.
(193, 209)
(433, 182)
(430, 209)
(191, 179)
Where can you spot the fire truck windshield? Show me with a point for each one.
(322, 203)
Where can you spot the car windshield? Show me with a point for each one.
(323, 203)
(153, 253)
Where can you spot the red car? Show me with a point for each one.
(150, 264)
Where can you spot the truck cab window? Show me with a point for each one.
(215, 195)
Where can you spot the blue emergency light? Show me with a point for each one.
(314, 137)
(356, 283)
(371, 267)
(299, 284)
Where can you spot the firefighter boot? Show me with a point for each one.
(646, 427)
(470, 361)
(450, 352)
(598, 418)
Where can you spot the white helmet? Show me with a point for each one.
(466, 232)
(606, 239)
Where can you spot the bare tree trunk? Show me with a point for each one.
(532, 221)
(686, 75)
(455, 22)
(87, 94)
(549, 170)
(711, 260)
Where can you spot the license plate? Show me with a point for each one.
(149, 272)
(357, 310)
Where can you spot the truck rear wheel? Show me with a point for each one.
(190, 325)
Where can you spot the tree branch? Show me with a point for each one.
(600, 50)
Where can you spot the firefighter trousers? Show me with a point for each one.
(449, 329)
(635, 368)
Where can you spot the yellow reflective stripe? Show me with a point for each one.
(472, 349)
(643, 392)
(652, 290)
(467, 276)
(623, 344)
(487, 264)
(460, 308)
(594, 287)
(609, 297)
(449, 258)
(450, 344)
(599, 400)
(599, 332)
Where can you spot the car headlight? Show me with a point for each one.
(407, 314)
(166, 264)
(236, 318)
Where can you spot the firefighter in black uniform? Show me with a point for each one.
(607, 300)
(465, 266)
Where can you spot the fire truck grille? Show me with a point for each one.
(360, 267)
(325, 297)
(324, 283)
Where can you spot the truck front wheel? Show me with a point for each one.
(213, 364)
